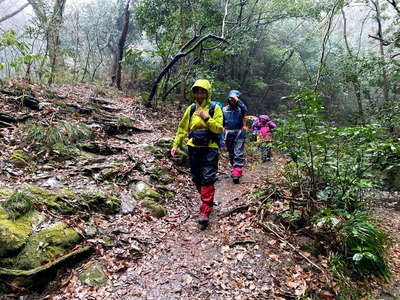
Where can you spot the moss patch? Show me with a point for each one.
(67, 201)
(14, 233)
(48, 244)
(161, 175)
(142, 191)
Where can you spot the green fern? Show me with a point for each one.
(45, 138)
(364, 246)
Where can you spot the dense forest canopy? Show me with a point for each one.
(268, 49)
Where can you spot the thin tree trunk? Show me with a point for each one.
(325, 40)
(381, 49)
(53, 38)
(353, 77)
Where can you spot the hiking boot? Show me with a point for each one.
(236, 179)
(203, 222)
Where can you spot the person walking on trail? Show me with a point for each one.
(262, 128)
(201, 122)
(235, 134)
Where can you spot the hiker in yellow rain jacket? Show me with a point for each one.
(202, 122)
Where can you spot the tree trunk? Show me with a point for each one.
(51, 26)
(117, 69)
(53, 39)
(381, 49)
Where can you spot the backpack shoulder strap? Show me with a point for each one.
(212, 108)
(192, 110)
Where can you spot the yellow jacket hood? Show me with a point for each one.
(205, 84)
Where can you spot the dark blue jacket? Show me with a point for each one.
(233, 117)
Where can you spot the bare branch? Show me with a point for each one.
(6, 17)
(180, 55)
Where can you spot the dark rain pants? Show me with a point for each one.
(234, 141)
(204, 166)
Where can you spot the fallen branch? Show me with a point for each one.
(236, 209)
(267, 228)
(241, 243)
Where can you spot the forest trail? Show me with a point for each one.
(144, 257)
(226, 260)
(232, 259)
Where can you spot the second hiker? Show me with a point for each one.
(201, 122)
(235, 134)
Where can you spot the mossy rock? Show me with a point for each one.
(155, 209)
(101, 202)
(19, 159)
(161, 175)
(165, 143)
(48, 244)
(14, 233)
(66, 201)
(142, 191)
(168, 193)
(94, 275)
(124, 120)
(5, 193)
(149, 148)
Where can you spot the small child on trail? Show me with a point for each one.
(201, 122)
(235, 134)
(262, 127)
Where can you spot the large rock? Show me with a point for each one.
(149, 198)
(48, 244)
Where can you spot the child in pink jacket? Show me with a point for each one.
(262, 128)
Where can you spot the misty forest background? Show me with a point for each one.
(327, 71)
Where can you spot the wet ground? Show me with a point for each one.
(232, 259)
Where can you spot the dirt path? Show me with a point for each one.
(232, 259)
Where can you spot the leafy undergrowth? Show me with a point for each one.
(245, 254)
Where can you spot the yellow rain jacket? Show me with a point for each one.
(214, 124)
